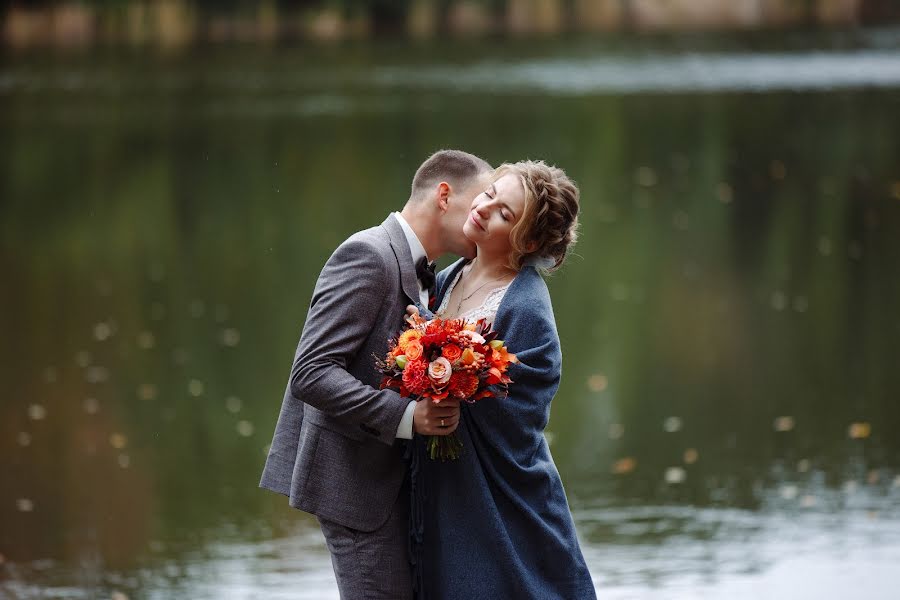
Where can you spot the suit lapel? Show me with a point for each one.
(408, 279)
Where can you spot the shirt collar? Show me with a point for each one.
(415, 246)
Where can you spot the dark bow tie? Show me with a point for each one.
(425, 273)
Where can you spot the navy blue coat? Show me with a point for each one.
(496, 523)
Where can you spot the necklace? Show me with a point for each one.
(462, 291)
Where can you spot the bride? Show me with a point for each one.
(495, 523)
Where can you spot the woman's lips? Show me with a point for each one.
(474, 220)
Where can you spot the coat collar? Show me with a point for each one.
(408, 279)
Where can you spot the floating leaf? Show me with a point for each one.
(146, 391)
(24, 505)
(672, 424)
(779, 300)
(859, 431)
(231, 337)
(784, 424)
(146, 340)
(36, 412)
(690, 456)
(118, 441)
(195, 387)
(245, 428)
(645, 176)
(789, 492)
(83, 359)
(616, 431)
(102, 331)
(624, 466)
(675, 475)
(725, 193)
(96, 374)
(597, 382)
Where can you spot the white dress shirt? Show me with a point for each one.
(405, 429)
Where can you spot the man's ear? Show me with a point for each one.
(443, 195)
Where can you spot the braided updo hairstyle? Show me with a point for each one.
(549, 223)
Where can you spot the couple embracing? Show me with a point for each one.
(494, 523)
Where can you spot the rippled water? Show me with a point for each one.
(726, 422)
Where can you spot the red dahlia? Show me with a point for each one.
(462, 384)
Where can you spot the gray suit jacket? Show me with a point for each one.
(334, 452)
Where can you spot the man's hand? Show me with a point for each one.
(440, 418)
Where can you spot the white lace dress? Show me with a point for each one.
(488, 308)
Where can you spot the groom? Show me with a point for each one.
(335, 452)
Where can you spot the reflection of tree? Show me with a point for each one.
(700, 288)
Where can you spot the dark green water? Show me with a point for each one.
(728, 417)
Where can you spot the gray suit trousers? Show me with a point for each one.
(372, 565)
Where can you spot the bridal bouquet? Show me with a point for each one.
(438, 359)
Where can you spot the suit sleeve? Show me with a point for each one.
(345, 307)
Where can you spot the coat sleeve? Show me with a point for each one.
(344, 310)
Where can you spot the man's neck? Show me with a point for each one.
(424, 230)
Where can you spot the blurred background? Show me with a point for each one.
(174, 173)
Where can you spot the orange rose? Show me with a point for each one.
(451, 352)
(414, 349)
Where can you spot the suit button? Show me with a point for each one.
(369, 430)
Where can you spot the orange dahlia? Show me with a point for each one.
(406, 337)
(462, 384)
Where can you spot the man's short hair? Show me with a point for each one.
(456, 167)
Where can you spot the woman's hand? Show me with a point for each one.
(412, 310)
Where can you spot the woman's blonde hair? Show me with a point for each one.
(549, 224)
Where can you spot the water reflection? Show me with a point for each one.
(725, 421)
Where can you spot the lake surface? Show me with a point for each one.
(727, 424)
